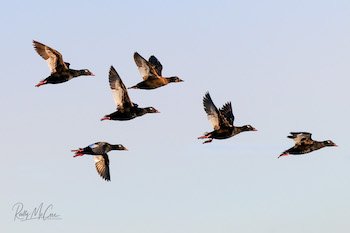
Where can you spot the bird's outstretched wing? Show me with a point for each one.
(212, 111)
(102, 166)
(146, 69)
(301, 137)
(226, 112)
(156, 64)
(119, 92)
(52, 56)
(219, 119)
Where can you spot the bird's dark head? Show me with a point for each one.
(329, 143)
(86, 72)
(118, 147)
(151, 110)
(175, 79)
(248, 128)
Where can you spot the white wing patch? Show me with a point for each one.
(214, 120)
(144, 70)
(118, 97)
(94, 145)
(142, 66)
(51, 60)
(98, 158)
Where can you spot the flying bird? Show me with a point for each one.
(151, 72)
(304, 144)
(222, 121)
(99, 150)
(60, 71)
(126, 110)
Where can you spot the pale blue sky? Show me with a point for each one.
(283, 64)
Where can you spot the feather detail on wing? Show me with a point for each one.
(146, 69)
(119, 92)
(212, 111)
(102, 166)
(226, 112)
(156, 64)
(53, 57)
(301, 137)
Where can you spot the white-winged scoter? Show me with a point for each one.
(151, 72)
(304, 144)
(60, 71)
(99, 150)
(221, 120)
(126, 110)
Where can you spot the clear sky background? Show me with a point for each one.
(283, 64)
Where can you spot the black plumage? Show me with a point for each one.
(99, 150)
(304, 144)
(221, 120)
(126, 110)
(60, 71)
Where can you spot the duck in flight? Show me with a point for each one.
(126, 110)
(151, 72)
(304, 144)
(99, 150)
(222, 121)
(60, 71)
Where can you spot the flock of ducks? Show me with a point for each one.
(151, 71)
